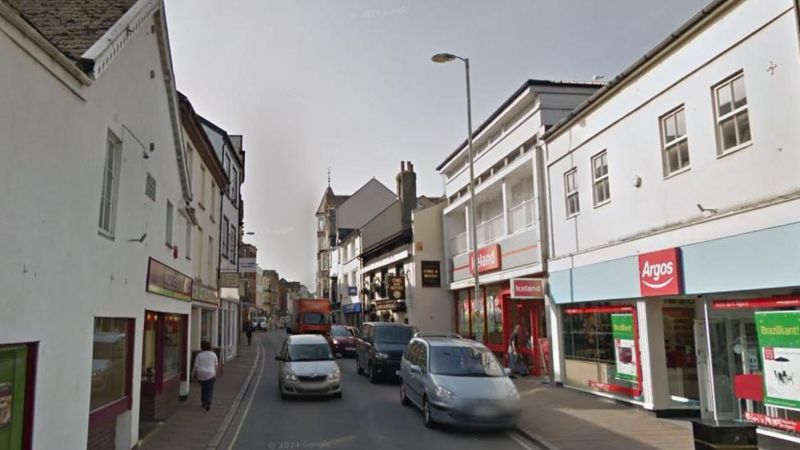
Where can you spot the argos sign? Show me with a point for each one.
(660, 273)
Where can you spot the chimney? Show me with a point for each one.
(407, 191)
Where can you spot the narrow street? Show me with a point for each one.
(368, 416)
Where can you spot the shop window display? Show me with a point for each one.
(463, 313)
(494, 315)
(172, 345)
(478, 317)
(109, 361)
(601, 349)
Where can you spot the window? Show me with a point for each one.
(199, 266)
(602, 193)
(733, 120)
(169, 224)
(321, 224)
(210, 262)
(226, 165)
(188, 239)
(189, 153)
(674, 142)
(172, 345)
(234, 184)
(202, 186)
(232, 244)
(571, 192)
(111, 364)
(213, 199)
(108, 196)
(224, 249)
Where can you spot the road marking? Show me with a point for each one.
(262, 353)
(520, 441)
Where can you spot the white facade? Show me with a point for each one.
(727, 204)
(65, 271)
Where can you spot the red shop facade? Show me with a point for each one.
(491, 316)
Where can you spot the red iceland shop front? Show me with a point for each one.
(164, 353)
(492, 316)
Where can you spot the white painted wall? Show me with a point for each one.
(429, 309)
(58, 273)
(751, 36)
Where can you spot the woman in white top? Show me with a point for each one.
(205, 370)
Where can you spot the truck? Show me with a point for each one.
(311, 315)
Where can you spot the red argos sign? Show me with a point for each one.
(488, 259)
(660, 273)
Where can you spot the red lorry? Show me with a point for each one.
(311, 315)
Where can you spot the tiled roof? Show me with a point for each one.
(72, 26)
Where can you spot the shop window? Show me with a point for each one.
(110, 362)
(494, 315)
(601, 349)
(172, 345)
(149, 348)
(463, 313)
(206, 323)
(680, 352)
(478, 317)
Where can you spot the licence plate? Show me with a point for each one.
(484, 411)
(350, 349)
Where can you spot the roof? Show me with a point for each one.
(331, 200)
(526, 85)
(450, 342)
(612, 85)
(202, 144)
(72, 26)
(306, 339)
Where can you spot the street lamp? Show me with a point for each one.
(444, 58)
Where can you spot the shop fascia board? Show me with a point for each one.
(496, 277)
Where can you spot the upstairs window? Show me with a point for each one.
(602, 192)
(234, 185)
(108, 195)
(571, 192)
(224, 237)
(733, 120)
(674, 142)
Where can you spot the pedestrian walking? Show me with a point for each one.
(513, 350)
(249, 333)
(205, 370)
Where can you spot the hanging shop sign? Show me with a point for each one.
(488, 259)
(386, 304)
(779, 344)
(352, 290)
(205, 294)
(351, 308)
(624, 346)
(6, 404)
(166, 281)
(397, 287)
(248, 265)
(431, 274)
(229, 280)
(660, 273)
(527, 288)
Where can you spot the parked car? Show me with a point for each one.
(457, 382)
(352, 330)
(379, 348)
(343, 341)
(306, 367)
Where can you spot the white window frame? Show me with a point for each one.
(599, 181)
(571, 193)
(225, 235)
(202, 187)
(674, 143)
(109, 193)
(734, 113)
(232, 240)
(168, 225)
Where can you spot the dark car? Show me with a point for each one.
(343, 341)
(380, 347)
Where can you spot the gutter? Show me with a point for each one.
(13, 16)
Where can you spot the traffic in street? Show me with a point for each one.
(366, 416)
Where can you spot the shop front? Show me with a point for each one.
(229, 320)
(205, 309)
(491, 318)
(165, 342)
(17, 377)
(352, 314)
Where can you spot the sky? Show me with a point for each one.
(349, 85)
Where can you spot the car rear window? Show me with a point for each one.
(393, 335)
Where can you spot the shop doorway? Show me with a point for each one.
(529, 315)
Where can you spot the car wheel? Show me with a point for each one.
(426, 413)
(403, 399)
(373, 377)
(359, 370)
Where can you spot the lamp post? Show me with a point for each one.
(444, 58)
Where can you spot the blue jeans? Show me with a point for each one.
(206, 391)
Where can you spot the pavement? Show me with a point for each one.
(191, 427)
(567, 419)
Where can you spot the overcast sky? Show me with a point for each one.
(348, 84)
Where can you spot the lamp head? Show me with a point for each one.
(443, 57)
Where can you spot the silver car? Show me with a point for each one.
(457, 382)
(306, 367)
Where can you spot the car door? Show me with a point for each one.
(416, 350)
(283, 354)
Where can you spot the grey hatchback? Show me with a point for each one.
(457, 382)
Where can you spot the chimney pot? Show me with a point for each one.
(402, 166)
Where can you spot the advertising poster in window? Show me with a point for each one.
(622, 331)
(779, 343)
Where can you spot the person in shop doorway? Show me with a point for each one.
(205, 370)
(249, 333)
(513, 351)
